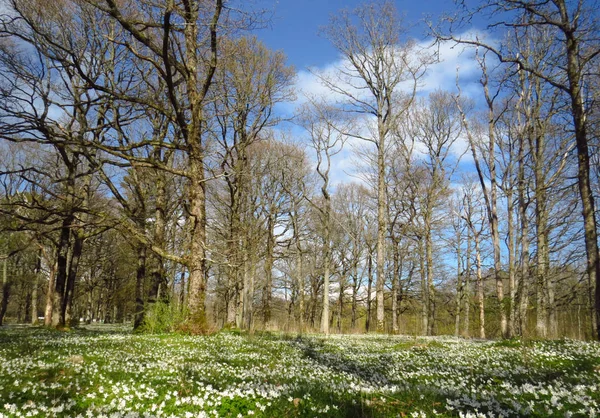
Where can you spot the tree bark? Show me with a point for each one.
(430, 286)
(299, 278)
(523, 285)
(467, 289)
(354, 304)
(34, 291)
(158, 276)
(369, 289)
(182, 289)
(58, 292)
(50, 292)
(424, 288)
(459, 283)
(480, 295)
(140, 278)
(340, 308)
(75, 256)
(542, 264)
(326, 262)
(381, 224)
(395, 283)
(493, 217)
(269, 259)
(511, 264)
(6, 287)
(575, 80)
(197, 258)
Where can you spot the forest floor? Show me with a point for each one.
(111, 372)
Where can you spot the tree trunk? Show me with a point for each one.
(459, 284)
(381, 226)
(26, 314)
(232, 293)
(6, 285)
(232, 296)
(430, 286)
(140, 278)
(511, 264)
(326, 260)
(575, 76)
(182, 289)
(34, 291)
(541, 270)
(158, 277)
(523, 286)
(543, 255)
(300, 284)
(76, 252)
(269, 259)
(355, 287)
(58, 292)
(197, 257)
(242, 294)
(424, 289)
(467, 290)
(90, 306)
(249, 315)
(395, 282)
(496, 245)
(340, 308)
(491, 201)
(50, 292)
(313, 306)
(369, 289)
(480, 295)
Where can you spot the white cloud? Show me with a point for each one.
(441, 75)
(453, 59)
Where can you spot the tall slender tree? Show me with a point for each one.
(574, 25)
(376, 61)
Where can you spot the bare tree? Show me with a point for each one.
(474, 217)
(437, 126)
(251, 81)
(325, 135)
(576, 50)
(370, 80)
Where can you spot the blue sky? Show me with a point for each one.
(294, 29)
(295, 25)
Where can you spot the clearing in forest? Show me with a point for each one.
(106, 372)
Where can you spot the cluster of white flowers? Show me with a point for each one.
(116, 375)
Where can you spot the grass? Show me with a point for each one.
(111, 372)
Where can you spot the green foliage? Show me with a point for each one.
(162, 317)
(511, 343)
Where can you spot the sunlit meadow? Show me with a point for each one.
(106, 372)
